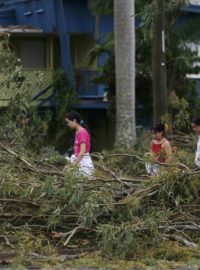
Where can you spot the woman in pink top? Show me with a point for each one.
(81, 144)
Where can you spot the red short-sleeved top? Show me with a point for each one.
(158, 151)
(82, 136)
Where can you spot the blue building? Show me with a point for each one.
(52, 34)
(192, 11)
(59, 34)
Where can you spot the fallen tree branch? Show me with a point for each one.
(30, 166)
(180, 239)
(125, 155)
(7, 242)
(73, 232)
(18, 201)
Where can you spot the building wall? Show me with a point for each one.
(194, 2)
(65, 17)
(7, 17)
(77, 16)
(37, 13)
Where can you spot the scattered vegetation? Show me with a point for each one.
(50, 214)
(119, 212)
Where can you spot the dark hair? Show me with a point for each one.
(196, 120)
(158, 128)
(74, 116)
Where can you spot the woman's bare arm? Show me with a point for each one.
(168, 151)
(82, 152)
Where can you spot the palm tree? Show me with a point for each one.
(125, 72)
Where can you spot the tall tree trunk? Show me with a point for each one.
(125, 72)
(159, 65)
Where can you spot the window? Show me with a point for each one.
(27, 7)
(37, 57)
(80, 46)
(39, 6)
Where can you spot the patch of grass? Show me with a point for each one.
(167, 255)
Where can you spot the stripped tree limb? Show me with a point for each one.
(7, 242)
(181, 239)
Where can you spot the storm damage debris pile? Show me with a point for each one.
(118, 210)
(181, 140)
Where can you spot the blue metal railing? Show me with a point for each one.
(44, 98)
(84, 83)
(42, 92)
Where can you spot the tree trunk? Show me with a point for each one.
(159, 65)
(125, 72)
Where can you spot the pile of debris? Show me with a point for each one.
(119, 210)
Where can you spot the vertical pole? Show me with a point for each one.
(51, 55)
(63, 36)
(159, 64)
(47, 53)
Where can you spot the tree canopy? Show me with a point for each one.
(180, 60)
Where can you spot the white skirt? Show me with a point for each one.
(152, 168)
(86, 166)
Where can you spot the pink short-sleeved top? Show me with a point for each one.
(82, 136)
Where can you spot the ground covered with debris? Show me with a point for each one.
(118, 218)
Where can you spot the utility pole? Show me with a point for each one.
(159, 64)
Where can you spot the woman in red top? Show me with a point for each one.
(81, 155)
(161, 150)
